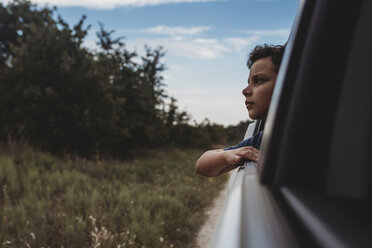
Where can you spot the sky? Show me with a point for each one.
(207, 43)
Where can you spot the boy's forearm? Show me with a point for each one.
(213, 163)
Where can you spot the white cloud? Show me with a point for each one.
(185, 42)
(240, 43)
(176, 31)
(206, 41)
(274, 32)
(110, 4)
(186, 47)
(196, 48)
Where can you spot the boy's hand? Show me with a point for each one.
(239, 155)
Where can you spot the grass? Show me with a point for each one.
(153, 201)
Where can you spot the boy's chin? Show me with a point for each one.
(253, 116)
(257, 117)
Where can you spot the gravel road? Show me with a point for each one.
(212, 213)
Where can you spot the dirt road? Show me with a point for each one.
(213, 212)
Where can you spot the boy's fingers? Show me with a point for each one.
(250, 154)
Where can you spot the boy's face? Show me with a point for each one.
(260, 88)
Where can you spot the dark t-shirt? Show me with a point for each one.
(254, 141)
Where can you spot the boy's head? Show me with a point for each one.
(264, 62)
(265, 50)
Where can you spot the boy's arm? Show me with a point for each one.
(216, 162)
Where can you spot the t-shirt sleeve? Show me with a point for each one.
(254, 141)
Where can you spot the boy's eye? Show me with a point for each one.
(259, 81)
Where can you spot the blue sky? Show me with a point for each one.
(206, 43)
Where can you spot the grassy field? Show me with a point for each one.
(153, 201)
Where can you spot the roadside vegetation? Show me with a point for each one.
(155, 200)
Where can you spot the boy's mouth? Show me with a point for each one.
(249, 104)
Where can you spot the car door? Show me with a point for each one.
(312, 184)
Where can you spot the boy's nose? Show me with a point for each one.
(246, 91)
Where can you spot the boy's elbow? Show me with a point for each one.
(199, 168)
(202, 169)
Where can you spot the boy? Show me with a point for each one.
(263, 62)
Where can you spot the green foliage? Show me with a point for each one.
(66, 99)
(153, 201)
(235, 133)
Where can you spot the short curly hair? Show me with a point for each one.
(266, 50)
